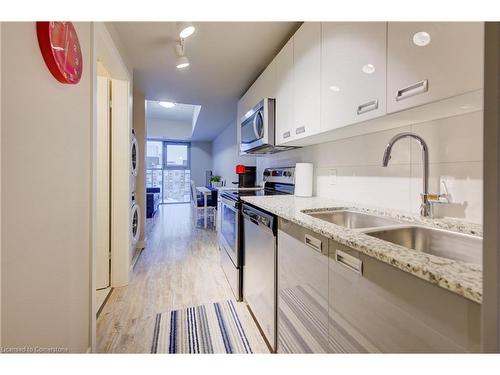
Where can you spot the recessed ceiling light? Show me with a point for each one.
(368, 68)
(185, 29)
(182, 62)
(334, 88)
(167, 104)
(421, 38)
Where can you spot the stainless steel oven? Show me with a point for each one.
(229, 243)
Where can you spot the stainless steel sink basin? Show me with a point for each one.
(443, 243)
(353, 219)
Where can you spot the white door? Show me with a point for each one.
(429, 61)
(121, 248)
(103, 185)
(353, 72)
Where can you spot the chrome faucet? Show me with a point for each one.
(427, 199)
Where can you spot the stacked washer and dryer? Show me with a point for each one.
(135, 212)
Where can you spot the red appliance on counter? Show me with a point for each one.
(246, 176)
(240, 169)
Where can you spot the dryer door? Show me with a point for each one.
(134, 155)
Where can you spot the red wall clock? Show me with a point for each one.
(61, 51)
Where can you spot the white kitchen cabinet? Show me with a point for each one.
(306, 84)
(375, 307)
(302, 290)
(429, 61)
(263, 87)
(284, 94)
(353, 72)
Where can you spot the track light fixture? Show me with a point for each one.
(182, 61)
(185, 29)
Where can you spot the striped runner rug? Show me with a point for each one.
(211, 328)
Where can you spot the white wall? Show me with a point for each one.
(46, 191)
(139, 126)
(168, 129)
(0, 183)
(201, 161)
(225, 153)
(456, 154)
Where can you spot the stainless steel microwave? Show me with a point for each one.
(257, 129)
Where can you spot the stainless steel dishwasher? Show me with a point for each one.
(259, 269)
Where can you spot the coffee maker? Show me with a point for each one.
(246, 176)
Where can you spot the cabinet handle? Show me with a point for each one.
(348, 261)
(313, 243)
(300, 130)
(415, 89)
(367, 107)
(286, 134)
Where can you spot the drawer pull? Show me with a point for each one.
(286, 134)
(412, 90)
(300, 130)
(367, 107)
(352, 263)
(313, 243)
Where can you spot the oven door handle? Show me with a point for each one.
(229, 204)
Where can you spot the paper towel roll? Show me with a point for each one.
(303, 179)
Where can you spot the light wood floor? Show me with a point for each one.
(179, 268)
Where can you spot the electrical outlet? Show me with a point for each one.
(332, 177)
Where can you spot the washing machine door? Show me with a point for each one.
(134, 155)
(135, 224)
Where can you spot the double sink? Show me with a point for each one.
(438, 242)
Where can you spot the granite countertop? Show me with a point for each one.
(465, 279)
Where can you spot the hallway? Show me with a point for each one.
(179, 268)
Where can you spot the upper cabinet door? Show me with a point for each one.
(353, 72)
(307, 62)
(263, 87)
(266, 83)
(284, 94)
(429, 61)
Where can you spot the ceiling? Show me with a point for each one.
(226, 57)
(181, 112)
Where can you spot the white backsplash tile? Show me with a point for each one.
(464, 181)
(362, 150)
(368, 185)
(456, 150)
(454, 139)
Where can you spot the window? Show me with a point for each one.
(168, 168)
(154, 155)
(177, 155)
